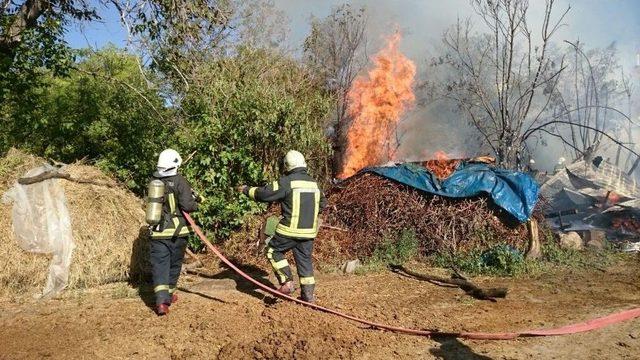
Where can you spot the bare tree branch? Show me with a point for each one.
(538, 128)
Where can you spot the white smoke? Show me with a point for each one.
(428, 128)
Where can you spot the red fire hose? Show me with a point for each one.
(569, 329)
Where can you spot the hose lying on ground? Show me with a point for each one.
(569, 329)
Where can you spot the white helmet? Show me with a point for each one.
(294, 159)
(169, 161)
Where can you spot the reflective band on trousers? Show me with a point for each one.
(161, 288)
(307, 280)
(281, 264)
(281, 275)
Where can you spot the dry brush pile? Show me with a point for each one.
(372, 207)
(107, 225)
(365, 209)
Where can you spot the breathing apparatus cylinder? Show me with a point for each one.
(155, 200)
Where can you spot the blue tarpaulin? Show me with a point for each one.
(514, 191)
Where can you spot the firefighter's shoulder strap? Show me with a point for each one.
(170, 197)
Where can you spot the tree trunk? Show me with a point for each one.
(26, 18)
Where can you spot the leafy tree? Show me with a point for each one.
(98, 111)
(31, 40)
(20, 20)
(217, 90)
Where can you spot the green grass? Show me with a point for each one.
(394, 249)
(397, 250)
(499, 260)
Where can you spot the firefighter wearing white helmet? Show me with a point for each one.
(301, 201)
(168, 162)
(294, 159)
(169, 232)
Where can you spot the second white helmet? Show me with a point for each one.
(294, 159)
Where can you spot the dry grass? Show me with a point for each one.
(107, 225)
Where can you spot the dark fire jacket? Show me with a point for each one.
(301, 200)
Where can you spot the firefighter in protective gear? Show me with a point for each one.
(301, 200)
(169, 237)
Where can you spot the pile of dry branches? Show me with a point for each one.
(371, 207)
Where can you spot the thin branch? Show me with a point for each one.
(531, 131)
(563, 140)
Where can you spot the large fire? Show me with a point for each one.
(376, 103)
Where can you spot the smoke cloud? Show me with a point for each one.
(428, 128)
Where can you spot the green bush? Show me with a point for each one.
(396, 249)
(232, 124)
(242, 115)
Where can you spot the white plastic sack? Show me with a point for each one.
(41, 224)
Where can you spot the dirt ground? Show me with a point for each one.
(223, 317)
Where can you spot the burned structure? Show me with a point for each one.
(595, 199)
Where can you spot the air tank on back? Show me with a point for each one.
(155, 200)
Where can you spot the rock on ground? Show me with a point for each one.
(571, 240)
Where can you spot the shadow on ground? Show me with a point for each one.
(140, 275)
(453, 349)
(242, 284)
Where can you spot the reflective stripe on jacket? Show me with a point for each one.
(301, 200)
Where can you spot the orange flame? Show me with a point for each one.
(441, 155)
(376, 103)
(442, 166)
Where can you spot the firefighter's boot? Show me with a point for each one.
(287, 288)
(306, 293)
(162, 309)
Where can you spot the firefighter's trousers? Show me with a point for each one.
(166, 258)
(302, 251)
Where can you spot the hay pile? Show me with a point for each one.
(108, 231)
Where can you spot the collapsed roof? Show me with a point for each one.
(591, 195)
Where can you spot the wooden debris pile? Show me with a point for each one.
(370, 207)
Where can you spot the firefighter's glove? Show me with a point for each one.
(242, 189)
(197, 197)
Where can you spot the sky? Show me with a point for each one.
(595, 22)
